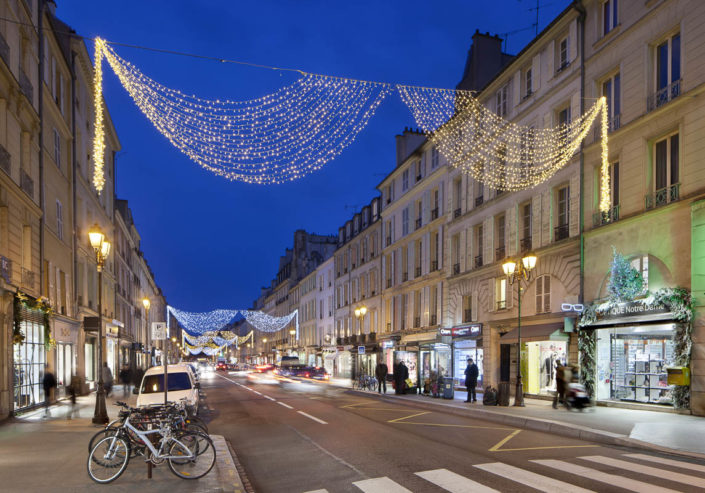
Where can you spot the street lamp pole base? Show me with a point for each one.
(100, 416)
(519, 393)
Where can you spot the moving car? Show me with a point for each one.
(182, 385)
(221, 366)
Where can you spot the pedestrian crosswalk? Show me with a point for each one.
(631, 472)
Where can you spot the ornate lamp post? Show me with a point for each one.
(101, 246)
(515, 272)
(264, 350)
(173, 343)
(360, 315)
(146, 303)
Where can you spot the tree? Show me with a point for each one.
(626, 283)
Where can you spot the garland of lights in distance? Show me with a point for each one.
(199, 324)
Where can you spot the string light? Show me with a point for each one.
(267, 323)
(199, 324)
(98, 130)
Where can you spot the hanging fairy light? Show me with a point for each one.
(200, 323)
(267, 323)
(98, 130)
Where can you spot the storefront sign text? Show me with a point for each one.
(472, 330)
(387, 344)
(630, 310)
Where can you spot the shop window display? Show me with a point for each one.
(541, 360)
(463, 351)
(435, 362)
(29, 359)
(410, 359)
(631, 364)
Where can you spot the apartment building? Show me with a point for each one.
(358, 292)
(413, 228)
(325, 325)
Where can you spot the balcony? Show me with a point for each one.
(663, 196)
(389, 283)
(612, 124)
(26, 86)
(372, 337)
(478, 261)
(601, 218)
(362, 338)
(467, 315)
(418, 178)
(27, 278)
(389, 240)
(525, 244)
(434, 213)
(404, 276)
(456, 269)
(561, 232)
(417, 321)
(434, 265)
(353, 340)
(389, 327)
(418, 223)
(434, 320)
(456, 213)
(5, 162)
(26, 183)
(4, 50)
(663, 96)
(500, 253)
(417, 272)
(339, 341)
(502, 305)
(6, 269)
(479, 200)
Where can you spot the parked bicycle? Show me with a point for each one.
(365, 382)
(154, 435)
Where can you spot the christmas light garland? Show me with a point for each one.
(267, 323)
(294, 131)
(198, 324)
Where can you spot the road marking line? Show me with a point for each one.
(603, 477)
(455, 426)
(455, 483)
(648, 470)
(406, 417)
(317, 491)
(669, 462)
(270, 398)
(285, 405)
(258, 393)
(528, 478)
(312, 417)
(380, 485)
(505, 440)
(498, 447)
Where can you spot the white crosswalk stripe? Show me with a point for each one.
(667, 462)
(380, 485)
(455, 483)
(659, 472)
(603, 477)
(528, 478)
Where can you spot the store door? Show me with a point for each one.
(505, 362)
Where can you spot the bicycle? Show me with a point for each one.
(190, 454)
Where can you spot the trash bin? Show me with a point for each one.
(503, 394)
(448, 390)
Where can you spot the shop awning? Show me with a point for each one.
(535, 333)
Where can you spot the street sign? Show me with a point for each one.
(159, 332)
(361, 350)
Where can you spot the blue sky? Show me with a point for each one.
(212, 243)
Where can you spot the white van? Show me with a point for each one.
(181, 381)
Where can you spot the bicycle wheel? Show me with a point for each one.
(108, 459)
(198, 422)
(104, 433)
(197, 455)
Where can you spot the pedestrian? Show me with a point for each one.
(471, 374)
(73, 388)
(403, 377)
(49, 383)
(381, 373)
(107, 376)
(561, 379)
(125, 379)
(137, 377)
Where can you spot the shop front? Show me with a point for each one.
(66, 335)
(634, 346)
(410, 356)
(436, 361)
(29, 358)
(343, 362)
(329, 354)
(466, 344)
(543, 348)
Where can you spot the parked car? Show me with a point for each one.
(182, 384)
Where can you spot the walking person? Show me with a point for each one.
(107, 379)
(49, 383)
(403, 377)
(381, 373)
(125, 379)
(73, 388)
(562, 377)
(471, 374)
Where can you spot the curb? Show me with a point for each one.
(228, 477)
(539, 424)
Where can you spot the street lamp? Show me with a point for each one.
(292, 333)
(360, 314)
(515, 272)
(101, 246)
(173, 341)
(146, 303)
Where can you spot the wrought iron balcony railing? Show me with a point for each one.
(561, 232)
(456, 269)
(600, 218)
(500, 253)
(663, 196)
(478, 261)
(664, 95)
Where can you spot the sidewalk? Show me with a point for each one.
(652, 430)
(49, 454)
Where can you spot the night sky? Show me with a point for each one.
(213, 243)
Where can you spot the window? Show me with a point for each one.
(501, 101)
(611, 91)
(563, 54)
(614, 183)
(404, 263)
(641, 264)
(500, 226)
(563, 117)
(528, 83)
(543, 294)
(563, 213)
(609, 16)
(479, 240)
(419, 169)
(455, 253)
(57, 148)
(467, 308)
(525, 227)
(59, 220)
(405, 222)
(405, 180)
(666, 172)
(501, 293)
(667, 72)
(434, 157)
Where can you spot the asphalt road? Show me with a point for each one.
(311, 436)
